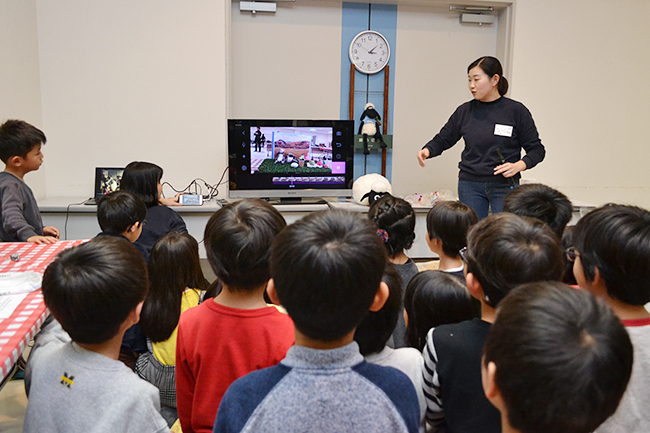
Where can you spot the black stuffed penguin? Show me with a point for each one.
(370, 127)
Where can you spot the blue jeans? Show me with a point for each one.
(483, 196)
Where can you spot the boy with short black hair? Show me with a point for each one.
(122, 214)
(327, 270)
(20, 218)
(536, 200)
(612, 261)
(503, 251)
(556, 360)
(236, 332)
(447, 225)
(95, 292)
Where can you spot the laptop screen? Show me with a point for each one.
(107, 180)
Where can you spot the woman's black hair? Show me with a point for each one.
(397, 218)
(491, 66)
(174, 266)
(434, 298)
(142, 179)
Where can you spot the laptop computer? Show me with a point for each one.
(107, 179)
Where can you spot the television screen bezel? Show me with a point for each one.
(297, 193)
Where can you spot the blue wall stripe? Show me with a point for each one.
(357, 17)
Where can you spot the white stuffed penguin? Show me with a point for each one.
(292, 160)
(369, 188)
(370, 127)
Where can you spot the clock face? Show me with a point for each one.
(369, 52)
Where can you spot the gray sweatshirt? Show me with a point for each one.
(20, 218)
(72, 389)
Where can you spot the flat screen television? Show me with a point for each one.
(290, 159)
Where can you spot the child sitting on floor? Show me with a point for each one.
(95, 293)
(503, 251)
(327, 270)
(447, 225)
(236, 332)
(612, 261)
(536, 200)
(375, 329)
(176, 281)
(121, 214)
(395, 220)
(435, 298)
(556, 360)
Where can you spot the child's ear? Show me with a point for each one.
(15, 161)
(135, 313)
(272, 294)
(492, 391)
(474, 287)
(597, 286)
(489, 380)
(598, 280)
(380, 297)
(431, 243)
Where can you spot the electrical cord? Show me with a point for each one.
(67, 214)
(212, 190)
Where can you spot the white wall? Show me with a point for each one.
(123, 80)
(133, 80)
(432, 53)
(20, 91)
(580, 67)
(287, 65)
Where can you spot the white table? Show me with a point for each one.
(79, 221)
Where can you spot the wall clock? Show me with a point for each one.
(369, 52)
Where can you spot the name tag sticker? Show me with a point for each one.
(503, 130)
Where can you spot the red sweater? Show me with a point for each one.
(217, 345)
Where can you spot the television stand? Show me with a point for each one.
(296, 200)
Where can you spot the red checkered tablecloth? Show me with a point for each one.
(26, 320)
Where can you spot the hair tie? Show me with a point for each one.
(383, 234)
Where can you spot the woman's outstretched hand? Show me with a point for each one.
(422, 155)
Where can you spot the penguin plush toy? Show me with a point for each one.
(370, 127)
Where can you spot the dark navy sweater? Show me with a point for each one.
(486, 126)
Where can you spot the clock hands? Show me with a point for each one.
(371, 51)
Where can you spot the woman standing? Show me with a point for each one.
(493, 127)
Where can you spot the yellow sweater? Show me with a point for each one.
(165, 351)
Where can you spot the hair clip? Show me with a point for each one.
(383, 234)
